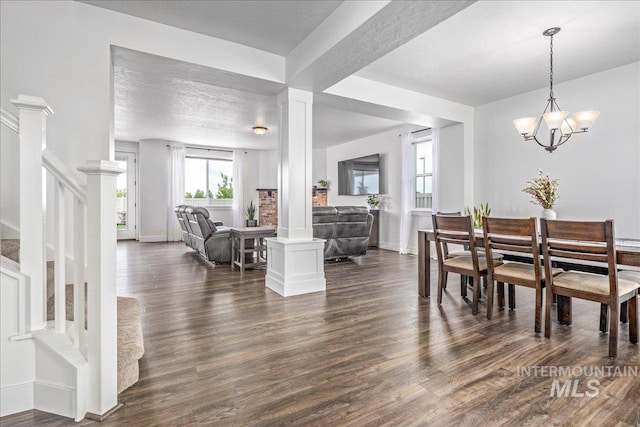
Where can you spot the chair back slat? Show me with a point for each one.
(582, 231)
(454, 241)
(510, 226)
(511, 247)
(580, 247)
(585, 256)
(452, 223)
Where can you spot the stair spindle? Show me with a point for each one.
(59, 257)
(78, 275)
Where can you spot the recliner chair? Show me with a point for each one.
(212, 240)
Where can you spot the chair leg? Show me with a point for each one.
(624, 312)
(604, 318)
(501, 295)
(512, 297)
(463, 286)
(633, 320)
(441, 283)
(538, 316)
(547, 312)
(613, 330)
(476, 295)
(446, 277)
(490, 298)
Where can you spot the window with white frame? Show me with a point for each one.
(208, 181)
(424, 173)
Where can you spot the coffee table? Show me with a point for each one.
(248, 246)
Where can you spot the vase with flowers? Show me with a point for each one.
(544, 192)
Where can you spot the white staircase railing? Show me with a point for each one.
(84, 209)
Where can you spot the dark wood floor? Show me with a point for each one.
(223, 350)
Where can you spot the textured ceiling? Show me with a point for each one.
(273, 26)
(495, 49)
(160, 98)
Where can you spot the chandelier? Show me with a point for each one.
(560, 127)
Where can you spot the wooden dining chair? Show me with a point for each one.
(593, 242)
(457, 230)
(464, 252)
(518, 236)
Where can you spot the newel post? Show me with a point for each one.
(101, 285)
(33, 112)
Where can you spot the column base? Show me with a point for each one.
(295, 267)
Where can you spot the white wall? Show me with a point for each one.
(153, 167)
(598, 172)
(267, 170)
(319, 166)
(451, 173)
(9, 183)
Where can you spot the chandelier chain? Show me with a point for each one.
(551, 68)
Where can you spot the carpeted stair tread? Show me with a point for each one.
(10, 248)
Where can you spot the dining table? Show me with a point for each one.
(627, 255)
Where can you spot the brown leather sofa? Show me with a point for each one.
(210, 238)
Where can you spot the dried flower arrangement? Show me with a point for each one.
(543, 190)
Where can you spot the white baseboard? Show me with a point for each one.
(16, 398)
(157, 238)
(389, 246)
(54, 398)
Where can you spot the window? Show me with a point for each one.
(424, 173)
(208, 182)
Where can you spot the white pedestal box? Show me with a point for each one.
(295, 267)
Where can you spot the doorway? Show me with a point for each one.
(126, 196)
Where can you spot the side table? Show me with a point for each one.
(249, 255)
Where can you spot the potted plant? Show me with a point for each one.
(544, 192)
(323, 183)
(251, 215)
(478, 213)
(373, 201)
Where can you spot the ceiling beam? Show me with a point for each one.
(358, 33)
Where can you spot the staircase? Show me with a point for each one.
(49, 361)
(129, 332)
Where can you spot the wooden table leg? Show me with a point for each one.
(424, 265)
(233, 252)
(242, 259)
(564, 310)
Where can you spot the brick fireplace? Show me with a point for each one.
(268, 204)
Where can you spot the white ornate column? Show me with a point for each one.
(33, 140)
(295, 260)
(102, 316)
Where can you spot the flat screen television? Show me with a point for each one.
(359, 176)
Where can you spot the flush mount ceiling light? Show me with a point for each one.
(560, 127)
(259, 130)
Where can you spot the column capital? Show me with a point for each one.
(101, 167)
(291, 94)
(36, 103)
